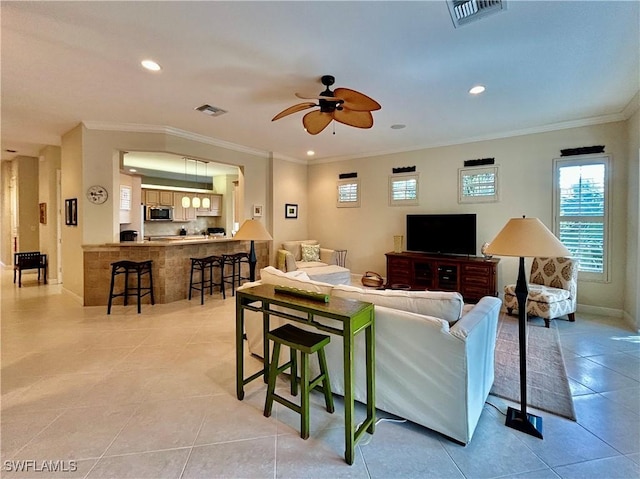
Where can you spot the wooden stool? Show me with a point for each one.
(202, 265)
(234, 259)
(307, 343)
(125, 267)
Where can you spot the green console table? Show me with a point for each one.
(350, 318)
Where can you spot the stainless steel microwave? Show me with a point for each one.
(159, 213)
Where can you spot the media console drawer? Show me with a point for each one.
(474, 277)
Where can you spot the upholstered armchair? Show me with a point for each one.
(553, 286)
(292, 257)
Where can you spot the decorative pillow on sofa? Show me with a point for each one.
(293, 247)
(310, 252)
(440, 304)
(294, 279)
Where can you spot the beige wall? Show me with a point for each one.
(526, 166)
(50, 158)
(28, 212)
(290, 185)
(6, 233)
(632, 282)
(72, 187)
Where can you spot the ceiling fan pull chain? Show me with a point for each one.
(334, 127)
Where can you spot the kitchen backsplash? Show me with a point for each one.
(160, 228)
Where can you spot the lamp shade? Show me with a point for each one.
(252, 230)
(206, 202)
(526, 237)
(195, 202)
(186, 202)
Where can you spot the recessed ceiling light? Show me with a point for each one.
(151, 65)
(398, 126)
(476, 90)
(132, 170)
(311, 153)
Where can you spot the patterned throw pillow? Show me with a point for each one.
(310, 252)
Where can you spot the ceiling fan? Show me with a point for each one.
(342, 105)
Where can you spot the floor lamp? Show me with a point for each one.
(252, 230)
(525, 237)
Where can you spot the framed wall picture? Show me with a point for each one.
(290, 210)
(257, 211)
(71, 212)
(43, 213)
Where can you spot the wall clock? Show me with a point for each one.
(97, 194)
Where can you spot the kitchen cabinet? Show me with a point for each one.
(180, 213)
(216, 206)
(158, 198)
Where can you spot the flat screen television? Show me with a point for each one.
(442, 234)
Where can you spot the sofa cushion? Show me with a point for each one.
(443, 305)
(541, 293)
(310, 264)
(332, 274)
(294, 279)
(310, 252)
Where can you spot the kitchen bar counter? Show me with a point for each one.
(171, 264)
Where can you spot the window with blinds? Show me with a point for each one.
(478, 185)
(348, 194)
(582, 212)
(403, 190)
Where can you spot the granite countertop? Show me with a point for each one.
(167, 241)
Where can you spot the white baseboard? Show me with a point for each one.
(631, 322)
(611, 312)
(77, 298)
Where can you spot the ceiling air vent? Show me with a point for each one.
(467, 11)
(211, 110)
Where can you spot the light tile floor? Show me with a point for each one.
(153, 396)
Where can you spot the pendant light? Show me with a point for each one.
(206, 201)
(196, 201)
(186, 202)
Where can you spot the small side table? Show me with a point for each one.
(341, 257)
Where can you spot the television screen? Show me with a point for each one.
(443, 234)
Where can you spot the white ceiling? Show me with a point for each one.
(545, 64)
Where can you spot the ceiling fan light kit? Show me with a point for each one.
(343, 105)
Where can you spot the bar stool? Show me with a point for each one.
(307, 343)
(202, 265)
(235, 260)
(125, 267)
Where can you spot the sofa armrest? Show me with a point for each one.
(285, 261)
(328, 256)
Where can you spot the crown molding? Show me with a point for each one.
(167, 130)
(599, 120)
(632, 106)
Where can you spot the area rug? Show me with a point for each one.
(547, 384)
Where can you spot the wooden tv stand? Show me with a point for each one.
(472, 276)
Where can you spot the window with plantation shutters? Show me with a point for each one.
(403, 190)
(478, 185)
(348, 193)
(581, 212)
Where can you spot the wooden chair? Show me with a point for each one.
(29, 260)
(306, 343)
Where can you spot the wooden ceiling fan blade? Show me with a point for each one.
(359, 119)
(316, 121)
(356, 101)
(294, 109)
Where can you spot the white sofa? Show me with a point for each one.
(325, 268)
(434, 357)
